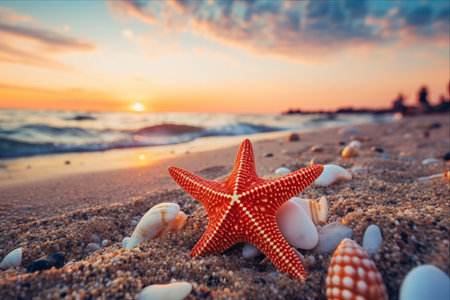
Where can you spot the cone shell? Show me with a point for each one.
(353, 275)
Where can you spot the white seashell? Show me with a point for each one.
(349, 152)
(296, 226)
(430, 160)
(153, 223)
(372, 239)
(125, 241)
(250, 251)
(171, 291)
(446, 175)
(317, 211)
(175, 225)
(12, 259)
(331, 235)
(355, 144)
(425, 282)
(282, 171)
(332, 173)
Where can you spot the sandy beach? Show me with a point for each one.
(62, 213)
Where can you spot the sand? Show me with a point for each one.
(60, 214)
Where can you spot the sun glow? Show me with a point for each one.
(138, 107)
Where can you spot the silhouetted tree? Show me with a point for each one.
(398, 106)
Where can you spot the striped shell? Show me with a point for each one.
(353, 275)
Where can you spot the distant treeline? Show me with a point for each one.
(423, 106)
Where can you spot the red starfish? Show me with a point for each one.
(243, 207)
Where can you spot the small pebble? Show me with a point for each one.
(331, 235)
(376, 149)
(105, 243)
(425, 282)
(52, 260)
(349, 152)
(292, 137)
(348, 131)
(12, 259)
(171, 291)
(92, 247)
(447, 156)
(282, 171)
(357, 169)
(250, 251)
(268, 154)
(125, 241)
(316, 148)
(372, 239)
(95, 239)
(384, 156)
(430, 160)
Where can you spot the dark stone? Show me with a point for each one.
(404, 236)
(447, 156)
(268, 154)
(376, 149)
(435, 125)
(350, 209)
(67, 162)
(52, 260)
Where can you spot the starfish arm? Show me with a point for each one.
(221, 234)
(269, 240)
(204, 190)
(273, 193)
(244, 170)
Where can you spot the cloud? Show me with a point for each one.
(298, 29)
(22, 42)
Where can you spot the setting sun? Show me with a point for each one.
(138, 107)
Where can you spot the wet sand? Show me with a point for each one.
(61, 214)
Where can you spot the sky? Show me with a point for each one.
(221, 56)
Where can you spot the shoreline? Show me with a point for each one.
(61, 214)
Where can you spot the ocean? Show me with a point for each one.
(40, 132)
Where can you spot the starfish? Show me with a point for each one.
(243, 208)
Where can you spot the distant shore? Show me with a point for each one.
(61, 213)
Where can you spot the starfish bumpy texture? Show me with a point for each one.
(243, 208)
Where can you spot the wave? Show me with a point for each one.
(36, 139)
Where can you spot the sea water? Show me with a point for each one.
(38, 132)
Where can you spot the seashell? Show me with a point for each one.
(12, 259)
(331, 235)
(332, 173)
(250, 251)
(176, 225)
(425, 282)
(171, 291)
(372, 239)
(446, 175)
(125, 241)
(349, 152)
(430, 160)
(153, 223)
(317, 211)
(296, 226)
(353, 275)
(282, 171)
(355, 144)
